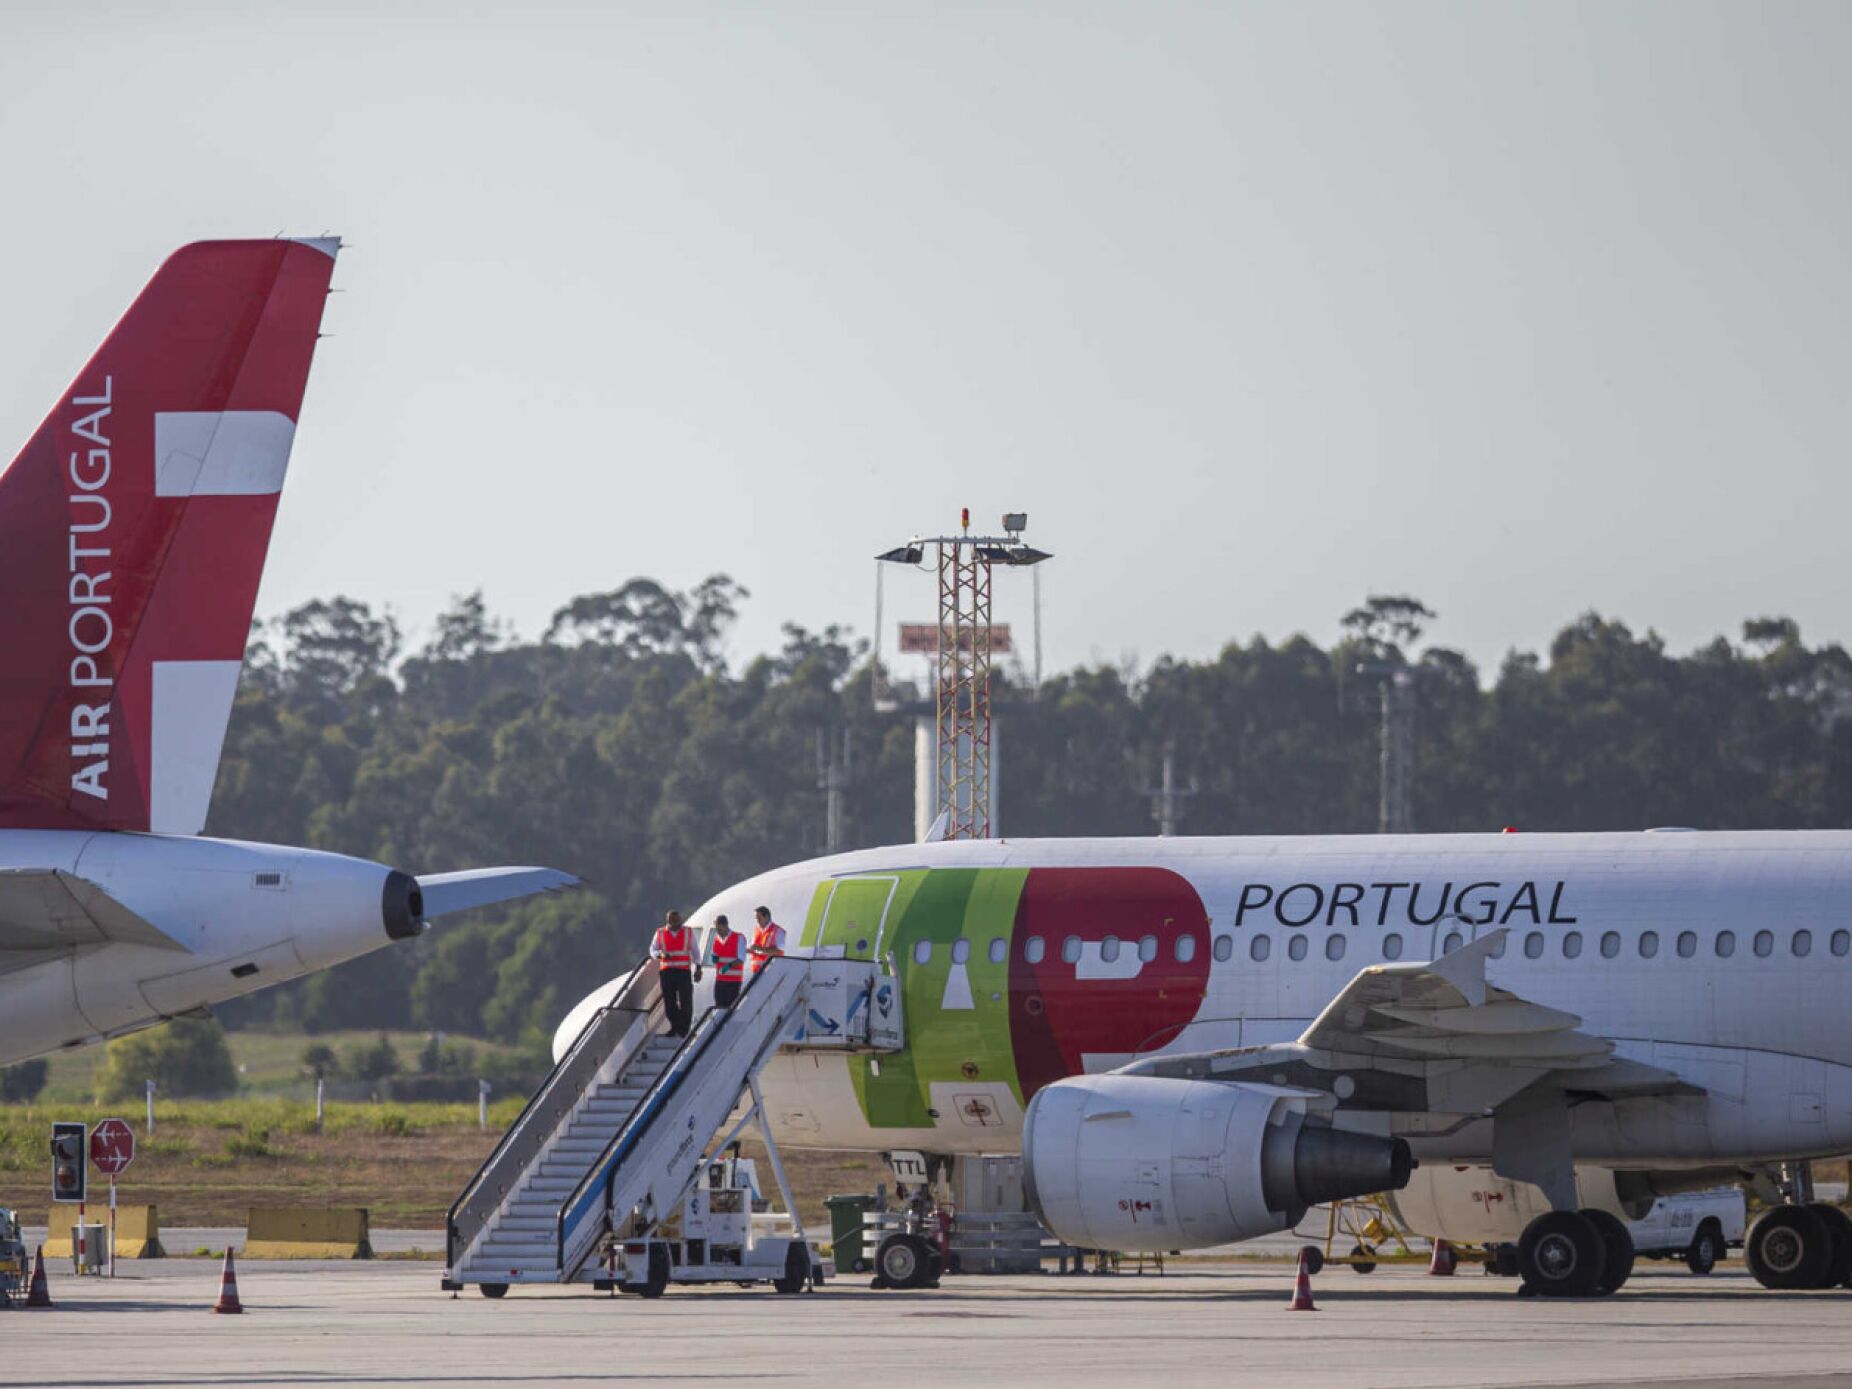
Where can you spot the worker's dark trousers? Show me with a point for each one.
(726, 991)
(678, 999)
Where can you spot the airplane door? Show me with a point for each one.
(855, 919)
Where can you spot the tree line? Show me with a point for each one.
(623, 747)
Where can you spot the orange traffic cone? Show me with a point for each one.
(228, 1287)
(39, 1294)
(1442, 1262)
(1302, 1286)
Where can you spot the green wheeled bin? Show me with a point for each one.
(846, 1249)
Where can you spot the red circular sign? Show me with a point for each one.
(112, 1146)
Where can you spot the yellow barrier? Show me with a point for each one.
(287, 1232)
(138, 1231)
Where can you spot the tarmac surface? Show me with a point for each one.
(387, 1323)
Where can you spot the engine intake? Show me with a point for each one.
(1151, 1163)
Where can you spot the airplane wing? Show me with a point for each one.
(1434, 1036)
(45, 909)
(445, 893)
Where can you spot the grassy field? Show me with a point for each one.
(210, 1161)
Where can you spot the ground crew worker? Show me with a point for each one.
(726, 951)
(767, 941)
(673, 950)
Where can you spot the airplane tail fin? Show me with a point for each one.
(133, 529)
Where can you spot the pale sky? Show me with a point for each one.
(1255, 308)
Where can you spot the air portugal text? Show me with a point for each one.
(92, 629)
(1413, 904)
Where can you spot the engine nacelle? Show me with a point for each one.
(1151, 1163)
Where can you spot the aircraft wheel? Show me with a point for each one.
(1706, 1249)
(1617, 1244)
(1561, 1254)
(1360, 1260)
(493, 1289)
(903, 1261)
(1789, 1248)
(1839, 1233)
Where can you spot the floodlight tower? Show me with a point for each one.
(961, 662)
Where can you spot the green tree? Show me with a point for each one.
(186, 1058)
(20, 1083)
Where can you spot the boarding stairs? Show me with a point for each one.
(616, 1135)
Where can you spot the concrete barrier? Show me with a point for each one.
(138, 1230)
(289, 1232)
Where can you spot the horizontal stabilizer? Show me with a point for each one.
(445, 893)
(45, 909)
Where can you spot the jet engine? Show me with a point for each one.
(1151, 1163)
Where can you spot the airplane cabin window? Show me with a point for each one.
(1033, 949)
(1147, 948)
(1258, 949)
(1687, 944)
(1186, 949)
(1533, 945)
(1649, 944)
(1765, 944)
(1572, 945)
(1452, 943)
(1726, 944)
(1610, 944)
(961, 951)
(1334, 947)
(1295, 947)
(1225, 946)
(999, 950)
(922, 952)
(1802, 944)
(1109, 949)
(1498, 948)
(1841, 942)
(1070, 950)
(1392, 946)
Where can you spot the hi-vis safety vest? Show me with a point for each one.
(764, 938)
(729, 955)
(674, 948)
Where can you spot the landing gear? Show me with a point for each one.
(1839, 1231)
(906, 1261)
(1617, 1244)
(1569, 1253)
(1790, 1247)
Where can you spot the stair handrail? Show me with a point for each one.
(604, 1170)
(540, 1118)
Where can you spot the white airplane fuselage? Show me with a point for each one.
(236, 917)
(1724, 959)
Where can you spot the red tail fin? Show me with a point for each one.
(133, 529)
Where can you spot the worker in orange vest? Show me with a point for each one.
(767, 941)
(673, 949)
(726, 951)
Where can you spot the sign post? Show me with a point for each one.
(112, 1148)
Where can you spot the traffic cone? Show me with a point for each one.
(1442, 1262)
(228, 1287)
(1302, 1286)
(39, 1294)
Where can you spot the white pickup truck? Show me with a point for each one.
(1696, 1226)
